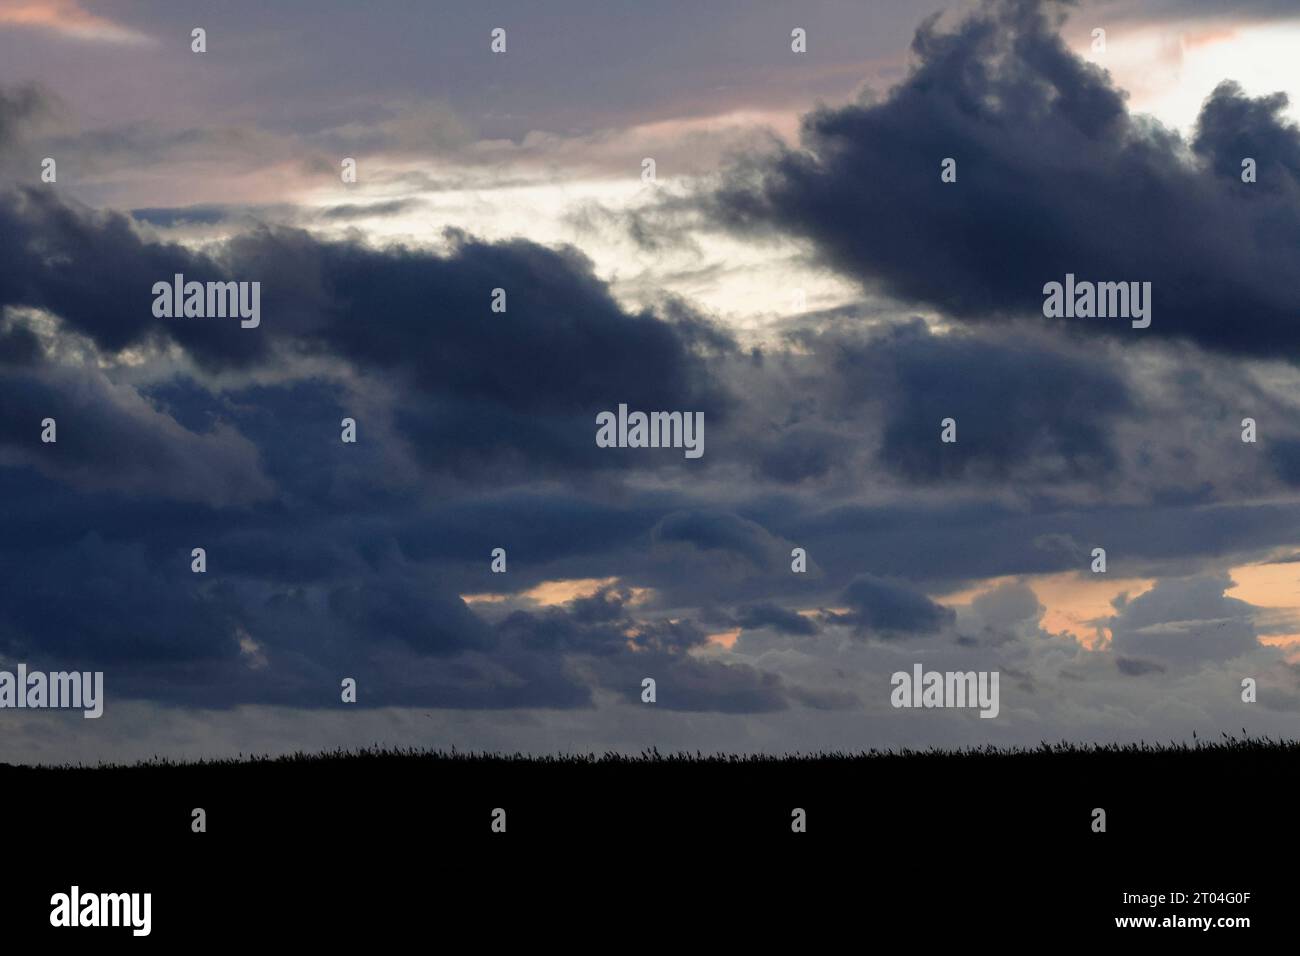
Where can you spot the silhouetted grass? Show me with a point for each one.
(1228, 746)
(1191, 806)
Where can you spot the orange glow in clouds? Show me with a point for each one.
(66, 17)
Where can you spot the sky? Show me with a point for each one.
(796, 271)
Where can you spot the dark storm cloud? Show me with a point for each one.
(405, 610)
(126, 609)
(341, 573)
(882, 607)
(315, 583)
(514, 390)
(203, 215)
(110, 438)
(777, 618)
(945, 546)
(626, 648)
(393, 207)
(801, 452)
(721, 532)
(291, 604)
(1233, 126)
(19, 345)
(328, 560)
(354, 571)
(1285, 456)
(1135, 668)
(336, 576)
(96, 272)
(562, 346)
(1054, 177)
(1017, 406)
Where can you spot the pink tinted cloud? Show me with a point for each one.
(67, 18)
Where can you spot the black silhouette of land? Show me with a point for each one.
(1002, 838)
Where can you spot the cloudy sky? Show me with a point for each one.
(796, 270)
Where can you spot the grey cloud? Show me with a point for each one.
(1055, 176)
(1136, 668)
(1184, 621)
(887, 608)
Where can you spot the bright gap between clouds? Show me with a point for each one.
(749, 287)
(1170, 69)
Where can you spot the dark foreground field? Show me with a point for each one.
(986, 845)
